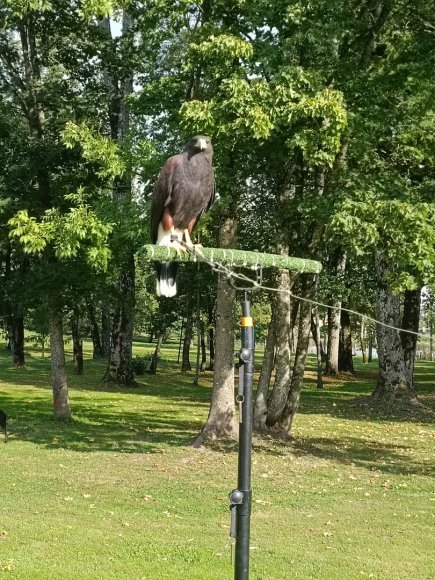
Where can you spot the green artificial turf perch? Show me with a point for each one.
(232, 258)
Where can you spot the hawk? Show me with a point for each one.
(183, 192)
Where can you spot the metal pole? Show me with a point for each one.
(241, 498)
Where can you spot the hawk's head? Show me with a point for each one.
(198, 144)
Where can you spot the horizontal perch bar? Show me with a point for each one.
(239, 258)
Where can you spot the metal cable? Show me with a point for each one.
(222, 269)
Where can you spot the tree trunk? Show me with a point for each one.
(15, 329)
(431, 329)
(211, 339)
(120, 368)
(371, 337)
(334, 315)
(315, 330)
(185, 361)
(277, 399)
(105, 330)
(221, 422)
(95, 332)
(61, 404)
(363, 341)
(345, 356)
(410, 321)
(198, 333)
(260, 409)
(203, 347)
(156, 355)
(294, 394)
(77, 343)
(394, 386)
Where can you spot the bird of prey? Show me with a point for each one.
(183, 192)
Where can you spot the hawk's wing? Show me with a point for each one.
(211, 187)
(162, 194)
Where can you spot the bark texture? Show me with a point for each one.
(315, 330)
(283, 330)
(395, 379)
(260, 408)
(120, 367)
(119, 86)
(203, 347)
(345, 356)
(15, 329)
(77, 343)
(294, 394)
(59, 381)
(185, 360)
(211, 336)
(156, 355)
(95, 331)
(334, 315)
(221, 422)
(105, 330)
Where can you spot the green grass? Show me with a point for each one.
(118, 492)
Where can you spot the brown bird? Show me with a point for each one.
(183, 192)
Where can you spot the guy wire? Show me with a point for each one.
(222, 269)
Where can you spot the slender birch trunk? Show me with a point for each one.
(185, 361)
(105, 330)
(119, 87)
(95, 331)
(315, 330)
(294, 394)
(283, 328)
(221, 422)
(203, 347)
(260, 408)
(156, 355)
(334, 315)
(77, 343)
(363, 341)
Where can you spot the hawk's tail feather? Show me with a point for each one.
(166, 284)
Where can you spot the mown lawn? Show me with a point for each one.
(118, 492)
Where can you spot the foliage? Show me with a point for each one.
(139, 364)
(95, 148)
(68, 233)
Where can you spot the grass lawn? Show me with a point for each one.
(118, 493)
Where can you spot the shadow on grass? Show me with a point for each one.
(341, 402)
(97, 428)
(374, 455)
(143, 419)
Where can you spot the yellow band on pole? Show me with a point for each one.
(246, 321)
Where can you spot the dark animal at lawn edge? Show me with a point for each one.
(3, 424)
(183, 192)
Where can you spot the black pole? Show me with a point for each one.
(241, 498)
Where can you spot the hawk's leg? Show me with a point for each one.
(176, 242)
(187, 238)
(189, 241)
